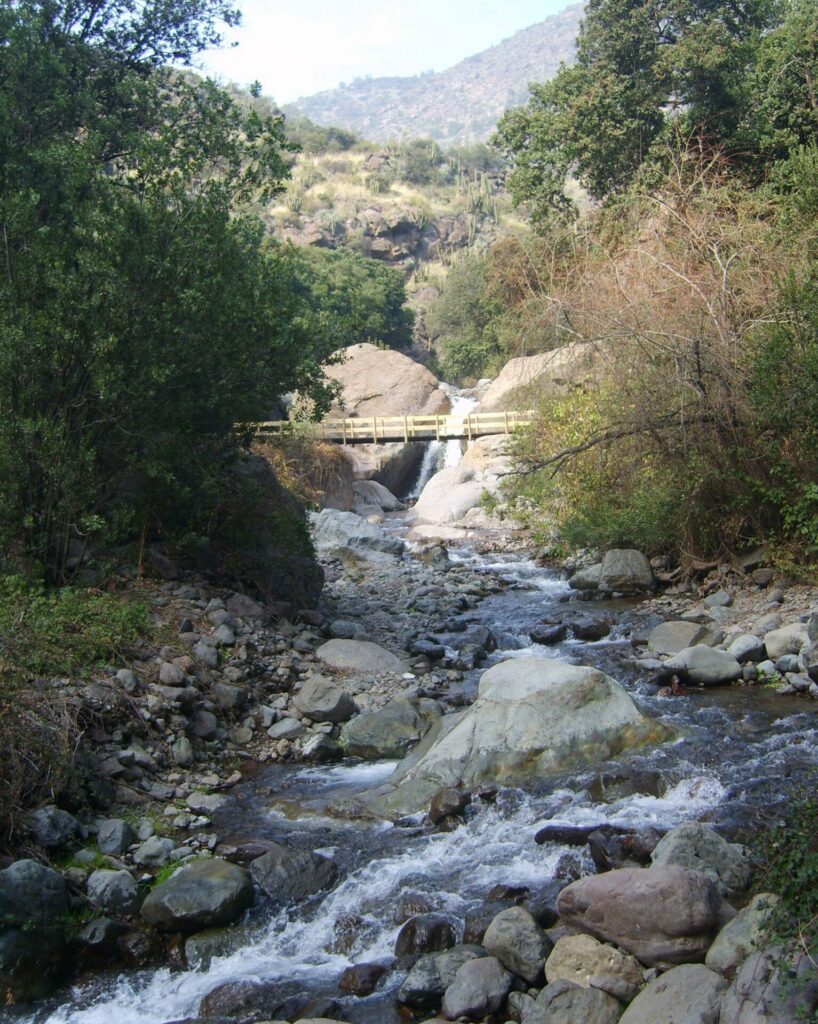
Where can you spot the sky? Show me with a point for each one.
(298, 47)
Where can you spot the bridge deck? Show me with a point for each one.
(383, 429)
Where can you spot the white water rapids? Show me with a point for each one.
(443, 454)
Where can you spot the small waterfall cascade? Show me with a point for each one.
(443, 454)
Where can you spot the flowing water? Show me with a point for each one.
(443, 454)
(737, 753)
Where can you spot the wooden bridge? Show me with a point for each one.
(384, 429)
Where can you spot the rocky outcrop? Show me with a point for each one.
(576, 365)
(383, 382)
(531, 718)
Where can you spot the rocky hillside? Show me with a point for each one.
(460, 104)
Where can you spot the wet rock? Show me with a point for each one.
(429, 649)
(426, 933)
(741, 936)
(623, 849)
(697, 846)
(360, 655)
(518, 942)
(673, 637)
(288, 875)
(32, 963)
(584, 961)
(532, 717)
(52, 827)
(625, 570)
(362, 979)
(321, 749)
(548, 634)
(590, 627)
(691, 993)
(241, 998)
(412, 905)
(390, 731)
(448, 803)
(570, 835)
(626, 781)
(564, 1003)
(702, 666)
(661, 915)
(427, 981)
(98, 941)
(31, 894)
(479, 988)
(202, 894)
(322, 700)
(765, 991)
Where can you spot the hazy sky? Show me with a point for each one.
(298, 47)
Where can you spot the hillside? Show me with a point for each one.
(458, 105)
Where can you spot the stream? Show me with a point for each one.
(737, 753)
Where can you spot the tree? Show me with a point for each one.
(642, 66)
(142, 315)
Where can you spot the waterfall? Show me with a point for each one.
(442, 454)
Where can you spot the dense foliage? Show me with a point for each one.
(142, 312)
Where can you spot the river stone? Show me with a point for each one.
(32, 962)
(673, 637)
(626, 570)
(532, 717)
(332, 529)
(518, 942)
(425, 933)
(113, 892)
(748, 647)
(584, 961)
(761, 995)
(239, 999)
(548, 634)
(586, 579)
(561, 1002)
(479, 988)
(202, 894)
(808, 660)
(362, 979)
(425, 984)
(31, 894)
(448, 803)
(660, 915)
(786, 640)
(741, 936)
(703, 666)
(52, 827)
(392, 730)
(361, 656)
(154, 852)
(697, 846)
(690, 994)
(321, 700)
(114, 837)
(289, 875)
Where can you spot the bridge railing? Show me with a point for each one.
(381, 429)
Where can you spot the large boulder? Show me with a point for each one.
(382, 382)
(518, 942)
(360, 656)
(202, 894)
(697, 846)
(369, 496)
(786, 640)
(333, 530)
(479, 988)
(673, 637)
(703, 666)
(322, 700)
(32, 962)
(289, 875)
(587, 578)
(532, 717)
(113, 892)
(555, 372)
(690, 994)
(584, 961)
(767, 991)
(53, 827)
(661, 915)
(392, 730)
(626, 570)
(449, 495)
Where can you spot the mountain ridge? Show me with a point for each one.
(458, 105)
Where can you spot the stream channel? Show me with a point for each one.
(739, 753)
